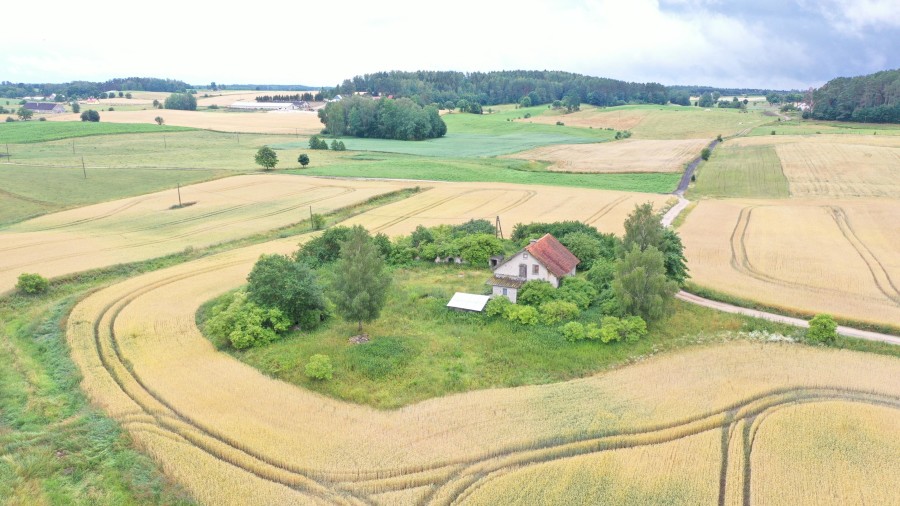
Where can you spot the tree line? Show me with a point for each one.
(85, 89)
(502, 87)
(873, 98)
(307, 97)
(386, 118)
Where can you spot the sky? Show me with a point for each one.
(776, 44)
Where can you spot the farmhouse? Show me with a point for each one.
(545, 259)
(45, 107)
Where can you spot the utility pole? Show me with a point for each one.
(165, 144)
(179, 195)
(498, 228)
(84, 170)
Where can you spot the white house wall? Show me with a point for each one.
(510, 268)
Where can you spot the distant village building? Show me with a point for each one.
(271, 106)
(545, 259)
(45, 107)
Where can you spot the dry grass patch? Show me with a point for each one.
(834, 256)
(146, 226)
(264, 122)
(146, 363)
(631, 155)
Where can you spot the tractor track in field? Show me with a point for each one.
(605, 209)
(454, 479)
(876, 268)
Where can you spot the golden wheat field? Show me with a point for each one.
(813, 255)
(263, 122)
(455, 203)
(146, 226)
(200, 413)
(630, 155)
(836, 165)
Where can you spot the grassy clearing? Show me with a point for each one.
(56, 448)
(423, 350)
(23, 132)
(489, 170)
(735, 171)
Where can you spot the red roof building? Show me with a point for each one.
(545, 259)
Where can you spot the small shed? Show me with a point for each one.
(468, 302)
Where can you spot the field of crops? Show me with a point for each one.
(736, 170)
(201, 415)
(460, 202)
(811, 255)
(148, 226)
(631, 155)
(835, 165)
(658, 122)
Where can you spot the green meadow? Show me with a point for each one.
(741, 171)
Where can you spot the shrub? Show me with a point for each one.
(303, 159)
(704, 153)
(32, 283)
(242, 324)
(478, 248)
(10, 119)
(556, 311)
(526, 315)
(497, 306)
(319, 367)
(822, 329)
(536, 292)
(316, 221)
(90, 115)
(573, 331)
(578, 291)
(630, 329)
(42, 119)
(277, 281)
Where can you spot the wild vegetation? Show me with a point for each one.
(386, 118)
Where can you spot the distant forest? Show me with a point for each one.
(874, 98)
(503, 87)
(85, 89)
(400, 119)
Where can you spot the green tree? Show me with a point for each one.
(477, 249)
(822, 329)
(673, 252)
(303, 160)
(279, 282)
(24, 114)
(76, 108)
(181, 101)
(360, 280)
(643, 228)
(159, 120)
(90, 115)
(242, 324)
(266, 157)
(32, 283)
(704, 153)
(641, 285)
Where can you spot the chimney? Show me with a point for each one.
(533, 241)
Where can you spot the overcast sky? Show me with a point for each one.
(762, 43)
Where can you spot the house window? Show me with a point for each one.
(504, 292)
(535, 269)
(523, 270)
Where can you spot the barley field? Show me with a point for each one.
(741, 171)
(630, 155)
(810, 255)
(658, 122)
(200, 413)
(263, 122)
(456, 203)
(148, 226)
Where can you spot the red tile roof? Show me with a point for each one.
(555, 257)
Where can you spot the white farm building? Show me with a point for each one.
(545, 259)
(271, 106)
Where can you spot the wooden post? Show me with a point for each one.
(73, 147)
(179, 195)
(84, 170)
(165, 144)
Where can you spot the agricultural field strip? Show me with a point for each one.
(463, 472)
(142, 227)
(630, 155)
(740, 261)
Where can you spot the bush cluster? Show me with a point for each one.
(611, 329)
(32, 283)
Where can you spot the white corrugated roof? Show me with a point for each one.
(468, 301)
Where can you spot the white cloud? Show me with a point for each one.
(855, 16)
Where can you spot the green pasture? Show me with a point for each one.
(385, 165)
(22, 132)
(741, 171)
